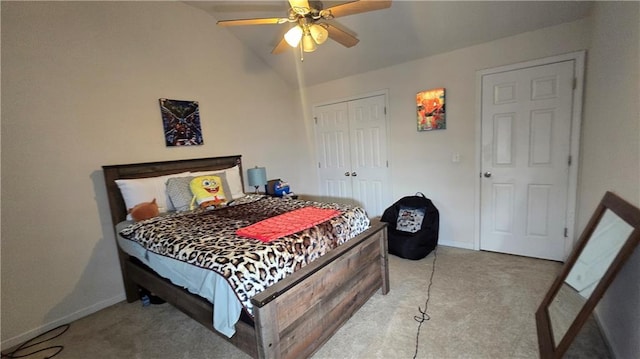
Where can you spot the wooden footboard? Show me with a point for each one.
(299, 314)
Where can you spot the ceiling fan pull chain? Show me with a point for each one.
(301, 52)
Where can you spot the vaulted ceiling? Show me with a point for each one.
(406, 31)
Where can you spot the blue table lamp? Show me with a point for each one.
(257, 177)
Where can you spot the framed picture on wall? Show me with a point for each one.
(181, 122)
(431, 110)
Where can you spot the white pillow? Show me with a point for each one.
(233, 179)
(138, 190)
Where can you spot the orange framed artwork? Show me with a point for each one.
(431, 110)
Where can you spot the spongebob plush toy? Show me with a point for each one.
(207, 192)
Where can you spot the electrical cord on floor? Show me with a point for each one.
(53, 350)
(423, 317)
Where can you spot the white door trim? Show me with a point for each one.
(384, 92)
(576, 113)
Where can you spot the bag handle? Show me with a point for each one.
(421, 194)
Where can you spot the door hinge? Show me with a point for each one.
(319, 165)
(569, 161)
(566, 232)
(574, 84)
(385, 110)
(387, 163)
(316, 120)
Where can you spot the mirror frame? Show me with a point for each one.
(630, 214)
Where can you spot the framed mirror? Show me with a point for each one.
(608, 240)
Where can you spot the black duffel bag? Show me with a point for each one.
(413, 221)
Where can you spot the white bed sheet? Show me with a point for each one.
(203, 282)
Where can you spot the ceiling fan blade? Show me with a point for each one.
(281, 47)
(341, 36)
(263, 21)
(300, 6)
(356, 7)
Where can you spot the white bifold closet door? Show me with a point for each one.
(351, 142)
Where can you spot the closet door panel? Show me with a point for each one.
(368, 128)
(333, 146)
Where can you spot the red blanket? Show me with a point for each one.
(287, 223)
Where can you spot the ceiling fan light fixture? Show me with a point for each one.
(293, 36)
(318, 33)
(306, 34)
(308, 44)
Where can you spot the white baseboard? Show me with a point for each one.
(465, 245)
(606, 334)
(9, 343)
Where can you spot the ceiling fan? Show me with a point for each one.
(310, 30)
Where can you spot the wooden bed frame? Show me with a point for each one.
(294, 317)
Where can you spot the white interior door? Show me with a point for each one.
(351, 142)
(334, 151)
(368, 127)
(526, 146)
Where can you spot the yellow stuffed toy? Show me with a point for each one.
(207, 192)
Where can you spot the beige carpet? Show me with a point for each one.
(481, 305)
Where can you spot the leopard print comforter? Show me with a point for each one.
(207, 239)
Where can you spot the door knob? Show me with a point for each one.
(347, 174)
(487, 174)
(354, 174)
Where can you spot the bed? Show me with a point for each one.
(291, 318)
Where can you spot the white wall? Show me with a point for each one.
(611, 153)
(422, 161)
(81, 83)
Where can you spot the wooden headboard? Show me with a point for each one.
(152, 169)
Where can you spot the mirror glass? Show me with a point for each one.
(607, 239)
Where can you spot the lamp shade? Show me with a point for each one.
(318, 33)
(257, 176)
(308, 45)
(293, 36)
